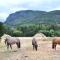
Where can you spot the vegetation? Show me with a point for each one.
(1, 29)
(31, 30)
(28, 23)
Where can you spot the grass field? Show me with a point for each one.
(44, 52)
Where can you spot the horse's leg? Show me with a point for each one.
(10, 46)
(17, 45)
(7, 45)
(33, 47)
(36, 47)
(55, 46)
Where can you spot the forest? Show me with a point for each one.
(50, 30)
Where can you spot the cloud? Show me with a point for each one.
(10, 6)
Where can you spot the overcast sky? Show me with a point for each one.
(10, 6)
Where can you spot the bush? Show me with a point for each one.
(57, 33)
(1, 29)
(17, 33)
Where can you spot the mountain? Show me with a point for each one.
(33, 17)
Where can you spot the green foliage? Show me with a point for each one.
(1, 29)
(32, 29)
(17, 33)
(57, 33)
(52, 32)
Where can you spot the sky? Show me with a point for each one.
(10, 6)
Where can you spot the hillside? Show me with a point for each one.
(33, 17)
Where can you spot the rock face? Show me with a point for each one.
(33, 17)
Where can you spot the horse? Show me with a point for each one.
(34, 43)
(9, 41)
(55, 41)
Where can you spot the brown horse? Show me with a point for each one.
(34, 43)
(55, 41)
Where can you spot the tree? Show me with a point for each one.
(52, 32)
(17, 33)
(1, 29)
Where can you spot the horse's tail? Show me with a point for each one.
(19, 44)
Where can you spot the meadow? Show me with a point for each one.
(26, 52)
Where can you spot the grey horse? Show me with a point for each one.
(9, 41)
(34, 43)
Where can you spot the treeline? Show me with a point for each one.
(30, 30)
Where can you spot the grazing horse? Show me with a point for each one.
(55, 41)
(34, 43)
(11, 40)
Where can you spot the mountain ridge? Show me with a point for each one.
(33, 17)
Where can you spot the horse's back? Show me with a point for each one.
(13, 40)
(56, 40)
